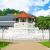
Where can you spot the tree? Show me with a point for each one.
(8, 11)
(14, 11)
(4, 12)
(40, 22)
(1, 13)
(48, 25)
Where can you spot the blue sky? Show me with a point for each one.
(40, 10)
(35, 7)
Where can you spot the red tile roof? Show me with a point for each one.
(23, 15)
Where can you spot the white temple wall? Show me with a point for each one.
(23, 32)
(0, 33)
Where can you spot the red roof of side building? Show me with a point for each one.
(24, 15)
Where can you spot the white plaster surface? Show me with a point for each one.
(23, 31)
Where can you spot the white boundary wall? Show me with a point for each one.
(20, 31)
(11, 33)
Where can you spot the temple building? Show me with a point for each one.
(19, 27)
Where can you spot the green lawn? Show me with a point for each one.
(46, 43)
(3, 44)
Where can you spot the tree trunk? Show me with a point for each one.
(42, 34)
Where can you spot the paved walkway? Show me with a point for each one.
(25, 45)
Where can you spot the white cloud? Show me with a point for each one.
(21, 4)
(18, 4)
(42, 13)
(39, 2)
(49, 7)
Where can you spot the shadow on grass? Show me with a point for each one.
(4, 44)
(45, 43)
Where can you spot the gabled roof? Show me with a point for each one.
(24, 15)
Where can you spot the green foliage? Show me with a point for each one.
(41, 22)
(8, 11)
(48, 21)
(14, 11)
(3, 44)
(1, 13)
(4, 12)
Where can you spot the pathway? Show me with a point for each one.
(25, 45)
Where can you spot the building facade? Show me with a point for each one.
(20, 27)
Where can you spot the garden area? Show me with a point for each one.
(45, 43)
(3, 44)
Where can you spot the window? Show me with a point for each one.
(17, 20)
(23, 20)
(30, 20)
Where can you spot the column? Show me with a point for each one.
(19, 20)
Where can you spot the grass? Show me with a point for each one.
(46, 43)
(3, 44)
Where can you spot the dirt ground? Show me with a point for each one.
(25, 45)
